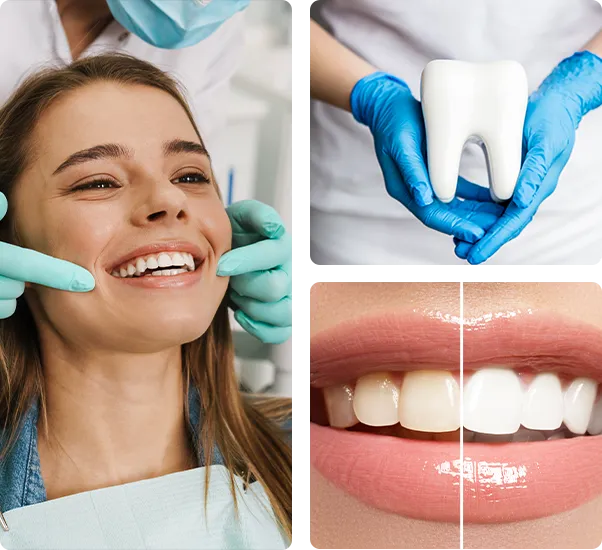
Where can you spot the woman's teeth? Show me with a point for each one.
(162, 264)
(499, 405)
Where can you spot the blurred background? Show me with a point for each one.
(253, 161)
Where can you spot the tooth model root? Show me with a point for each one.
(461, 101)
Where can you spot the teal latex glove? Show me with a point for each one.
(260, 269)
(554, 112)
(21, 265)
(385, 104)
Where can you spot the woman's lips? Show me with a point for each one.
(183, 280)
(502, 482)
(537, 341)
(421, 479)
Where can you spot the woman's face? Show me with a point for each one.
(118, 175)
(393, 487)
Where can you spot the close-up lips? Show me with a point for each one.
(393, 400)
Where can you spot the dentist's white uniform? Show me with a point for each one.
(355, 221)
(32, 36)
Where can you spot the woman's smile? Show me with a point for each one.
(401, 418)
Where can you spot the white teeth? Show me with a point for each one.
(164, 260)
(123, 272)
(463, 101)
(189, 261)
(578, 404)
(140, 266)
(339, 404)
(429, 401)
(177, 259)
(131, 270)
(543, 403)
(493, 401)
(376, 399)
(151, 263)
(595, 422)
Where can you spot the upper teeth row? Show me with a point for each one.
(138, 266)
(495, 401)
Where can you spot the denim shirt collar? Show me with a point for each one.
(21, 482)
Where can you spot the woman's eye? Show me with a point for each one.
(97, 184)
(195, 177)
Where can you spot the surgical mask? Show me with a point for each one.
(174, 24)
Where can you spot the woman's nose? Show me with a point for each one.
(162, 202)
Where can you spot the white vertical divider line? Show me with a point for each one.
(461, 416)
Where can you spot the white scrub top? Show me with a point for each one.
(32, 36)
(355, 221)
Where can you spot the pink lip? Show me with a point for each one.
(420, 479)
(155, 248)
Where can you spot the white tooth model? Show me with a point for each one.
(474, 102)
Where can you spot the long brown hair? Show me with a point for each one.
(246, 431)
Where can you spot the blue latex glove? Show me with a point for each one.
(553, 115)
(260, 269)
(385, 104)
(21, 265)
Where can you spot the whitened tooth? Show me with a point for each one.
(429, 401)
(595, 421)
(543, 403)
(157, 273)
(339, 405)
(376, 398)
(493, 401)
(190, 261)
(123, 272)
(175, 272)
(579, 400)
(140, 266)
(177, 259)
(164, 260)
(131, 270)
(152, 262)
(115, 274)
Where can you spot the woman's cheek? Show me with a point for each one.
(217, 228)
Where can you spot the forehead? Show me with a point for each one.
(107, 112)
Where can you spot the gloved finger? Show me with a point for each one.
(538, 162)
(266, 333)
(7, 308)
(260, 256)
(462, 249)
(508, 227)
(484, 220)
(472, 191)
(277, 314)
(437, 216)
(10, 289)
(250, 216)
(23, 264)
(266, 286)
(3, 205)
(476, 206)
(407, 154)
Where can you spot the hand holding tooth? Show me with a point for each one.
(385, 104)
(20, 265)
(553, 115)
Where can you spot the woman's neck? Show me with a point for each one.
(112, 419)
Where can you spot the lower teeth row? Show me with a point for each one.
(157, 273)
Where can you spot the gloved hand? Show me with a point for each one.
(21, 265)
(260, 269)
(385, 104)
(554, 112)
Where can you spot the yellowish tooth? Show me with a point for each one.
(429, 401)
(375, 400)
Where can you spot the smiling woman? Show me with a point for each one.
(395, 406)
(103, 166)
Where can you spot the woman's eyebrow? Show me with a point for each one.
(116, 150)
